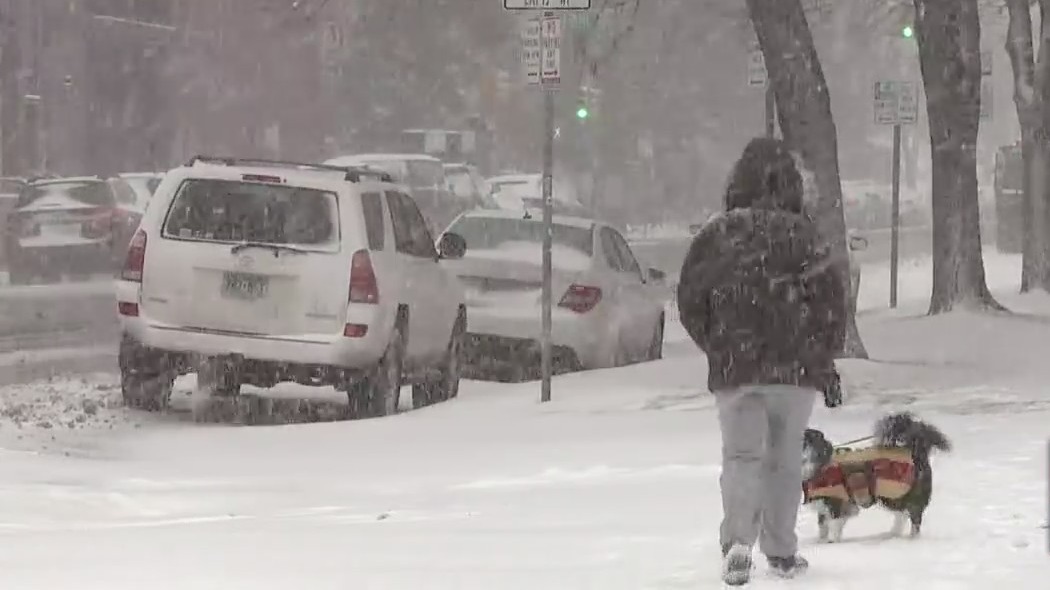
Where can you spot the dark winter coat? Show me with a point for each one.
(759, 295)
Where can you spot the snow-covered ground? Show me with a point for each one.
(613, 485)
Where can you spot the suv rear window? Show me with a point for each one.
(88, 192)
(234, 211)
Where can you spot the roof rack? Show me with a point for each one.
(353, 173)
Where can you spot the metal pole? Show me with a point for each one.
(548, 189)
(895, 215)
(771, 111)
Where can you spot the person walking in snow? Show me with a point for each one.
(758, 293)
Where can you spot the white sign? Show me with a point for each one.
(550, 41)
(757, 75)
(531, 50)
(547, 4)
(907, 102)
(896, 102)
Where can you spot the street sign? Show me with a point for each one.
(896, 102)
(757, 76)
(547, 4)
(907, 103)
(531, 49)
(550, 42)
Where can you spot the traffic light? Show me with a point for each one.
(582, 112)
(907, 31)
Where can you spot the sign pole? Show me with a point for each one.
(895, 215)
(548, 187)
(896, 103)
(541, 54)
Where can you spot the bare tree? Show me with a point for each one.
(1027, 99)
(1032, 99)
(804, 112)
(949, 38)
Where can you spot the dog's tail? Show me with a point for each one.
(904, 429)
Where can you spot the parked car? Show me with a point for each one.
(258, 272)
(468, 186)
(61, 226)
(11, 186)
(133, 191)
(608, 311)
(424, 176)
(514, 191)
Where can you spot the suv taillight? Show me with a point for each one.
(581, 298)
(136, 258)
(363, 286)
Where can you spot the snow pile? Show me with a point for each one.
(60, 409)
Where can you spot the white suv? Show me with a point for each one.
(258, 272)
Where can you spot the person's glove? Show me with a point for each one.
(833, 390)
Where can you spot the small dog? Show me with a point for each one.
(893, 433)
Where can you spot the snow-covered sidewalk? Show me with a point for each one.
(613, 485)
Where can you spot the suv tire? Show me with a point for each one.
(445, 384)
(148, 392)
(215, 377)
(656, 347)
(378, 393)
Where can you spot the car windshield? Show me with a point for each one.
(486, 233)
(425, 173)
(88, 192)
(461, 183)
(144, 186)
(232, 211)
(123, 191)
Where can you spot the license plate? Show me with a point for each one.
(61, 229)
(239, 285)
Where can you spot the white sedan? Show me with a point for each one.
(607, 311)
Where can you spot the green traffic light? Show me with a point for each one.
(582, 113)
(907, 32)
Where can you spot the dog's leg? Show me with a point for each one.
(899, 519)
(835, 526)
(916, 522)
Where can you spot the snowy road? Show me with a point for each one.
(56, 329)
(613, 485)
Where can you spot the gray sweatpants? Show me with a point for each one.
(762, 428)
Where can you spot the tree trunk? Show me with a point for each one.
(1036, 171)
(949, 37)
(804, 114)
(1027, 102)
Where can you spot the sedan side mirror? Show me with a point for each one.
(451, 246)
(858, 243)
(656, 275)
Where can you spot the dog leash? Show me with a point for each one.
(854, 441)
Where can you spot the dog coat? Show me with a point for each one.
(863, 475)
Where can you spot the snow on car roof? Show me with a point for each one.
(317, 178)
(582, 222)
(66, 180)
(340, 160)
(140, 174)
(515, 178)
